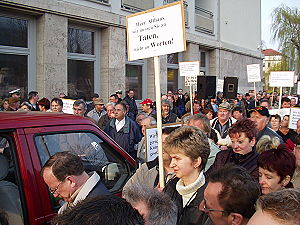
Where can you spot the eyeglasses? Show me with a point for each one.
(53, 190)
(205, 209)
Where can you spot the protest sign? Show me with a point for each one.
(156, 32)
(189, 68)
(190, 80)
(280, 112)
(152, 141)
(220, 84)
(294, 117)
(282, 79)
(253, 72)
(68, 105)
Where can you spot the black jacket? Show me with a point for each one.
(127, 137)
(190, 214)
(132, 105)
(248, 161)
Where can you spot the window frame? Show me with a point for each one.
(180, 79)
(143, 63)
(89, 57)
(30, 51)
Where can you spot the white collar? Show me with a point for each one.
(87, 187)
(120, 124)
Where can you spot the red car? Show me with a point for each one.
(28, 139)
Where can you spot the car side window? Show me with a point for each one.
(10, 197)
(96, 154)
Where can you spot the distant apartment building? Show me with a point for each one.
(271, 58)
(78, 47)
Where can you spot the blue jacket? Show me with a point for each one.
(127, 137)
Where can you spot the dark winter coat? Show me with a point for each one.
(248, 161)
(127, 137)
(190, 214)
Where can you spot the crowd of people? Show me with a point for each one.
(226, 148)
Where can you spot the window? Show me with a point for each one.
(172, 80)
(202, 59)
(15, 30)
(172, 72)
(80, 78)
(96, 155)
(82, 62)
(204, 62)
(13, 73)
(17, 55)
(9, 184)
(134, 79)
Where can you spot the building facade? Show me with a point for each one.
(78, 47)
(271, 58)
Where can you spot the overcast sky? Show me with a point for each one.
(267, 7)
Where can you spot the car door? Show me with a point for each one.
(97, 151)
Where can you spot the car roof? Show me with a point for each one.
(13, 120)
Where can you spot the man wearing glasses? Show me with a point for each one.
(230, 196)
(65, 176)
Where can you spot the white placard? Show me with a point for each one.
(68, 105)
(280, 112)
(282, 79)
(156, 32)
(220, 85)
(152, 143)
(190, 80)
(253, 72)
(294, 117)
(189, 68)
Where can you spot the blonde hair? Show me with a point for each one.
(190, 141)
(266, 143)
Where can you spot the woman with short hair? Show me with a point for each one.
(242, 152)
(189, 149)
(276, 169)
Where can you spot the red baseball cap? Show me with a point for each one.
(147, 101)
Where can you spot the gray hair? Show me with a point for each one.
(167, 102)
(282, 205)
(152, 120)
(205, 122)
(162, 210)
(110, 104)
(266, 143)
(80, 102)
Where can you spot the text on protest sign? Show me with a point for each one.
(156, 32)
(152, 142)
(189, 68)
(220, 85)
(253, 72)
(294, 117)
(282, 79)
(190, 80)
(281, 112)
(68, 105)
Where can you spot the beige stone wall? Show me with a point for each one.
(235, 65)
(51, 55)
(112, 61)
(151, 76)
